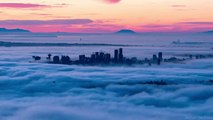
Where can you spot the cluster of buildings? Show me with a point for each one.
(200, 56)
(95, 58)
(103, 58)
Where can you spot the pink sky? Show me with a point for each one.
(102, 16)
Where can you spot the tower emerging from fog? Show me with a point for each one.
(116, 55)
(160, 56)
(120, 55)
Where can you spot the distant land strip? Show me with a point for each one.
(22, 44)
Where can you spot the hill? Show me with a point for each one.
(4, 30)
(125, 31)
(209, 32)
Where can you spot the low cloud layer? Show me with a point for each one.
(37, 91)
(197, 23)
(100, 26)
(62, 25)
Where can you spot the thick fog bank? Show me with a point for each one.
(38, 91)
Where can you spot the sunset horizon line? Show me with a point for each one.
(110, 32)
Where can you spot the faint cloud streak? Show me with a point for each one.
(22, 5)
(46, 22)
(111, 1)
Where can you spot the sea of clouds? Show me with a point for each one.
(39, 91)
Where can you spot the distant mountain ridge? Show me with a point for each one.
(17, 30)
(209, 32)
(125, 31)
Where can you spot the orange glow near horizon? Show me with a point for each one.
(139, 15)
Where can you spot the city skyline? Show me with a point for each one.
(104, 16)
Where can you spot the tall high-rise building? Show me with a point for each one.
(160, 56)
(82, 58)
(120, 55)
(107, 58)
(56, 59)
(116, 55)
(155, 59)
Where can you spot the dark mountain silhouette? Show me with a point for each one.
(209, 32)
(126, 31)
(4, 30)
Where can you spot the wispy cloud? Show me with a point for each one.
(156, 26)
(29, 5)
(112, 1)
(22, 5)
(46, 22)
(197, 23)
(41, 14)
(190, 26)
(178, 6)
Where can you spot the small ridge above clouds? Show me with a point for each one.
(209, 32)
(17, 30)
(126, 31)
